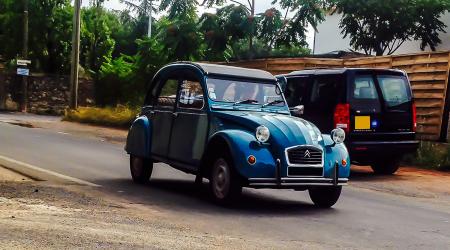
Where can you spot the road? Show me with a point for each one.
(361, 219)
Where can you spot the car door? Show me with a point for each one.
(190, 125)
(162, 117)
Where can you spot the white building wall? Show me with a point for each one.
(329, 38)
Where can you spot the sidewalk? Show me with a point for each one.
(56, 124)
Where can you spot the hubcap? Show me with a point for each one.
(221, 179)
(137, 165)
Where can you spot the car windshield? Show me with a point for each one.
(245, 92)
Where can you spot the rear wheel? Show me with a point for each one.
(224, 182)
(386, 167)
(141, 169)
(325, 197)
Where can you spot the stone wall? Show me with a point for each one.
(47, 94)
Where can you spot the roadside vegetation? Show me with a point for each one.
(119, 116)
(431, 155)
(118, 54)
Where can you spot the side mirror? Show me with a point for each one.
(298, 110)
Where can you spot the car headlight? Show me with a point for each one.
(262, 134)
(338, 135)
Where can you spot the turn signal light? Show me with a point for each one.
(344, 162)
(251, 160)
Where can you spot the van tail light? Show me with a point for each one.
(414, 117)
(342, 117)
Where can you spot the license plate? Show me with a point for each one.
(362, 122)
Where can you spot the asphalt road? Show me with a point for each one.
(361, 219)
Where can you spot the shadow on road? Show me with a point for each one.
(365, 174)
(184, 195)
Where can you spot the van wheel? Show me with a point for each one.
(141, 169)
(386, 167)
(224, 183)
(325, 197)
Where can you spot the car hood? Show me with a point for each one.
(285, 130)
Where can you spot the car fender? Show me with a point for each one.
(334, 154)
(243, 144)
(138, 139)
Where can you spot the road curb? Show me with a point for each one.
(40, 174)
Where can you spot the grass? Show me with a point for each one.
(431, 155)
(119, 116)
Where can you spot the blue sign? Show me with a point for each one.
(23, 72)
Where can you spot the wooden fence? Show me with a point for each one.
(428, 73)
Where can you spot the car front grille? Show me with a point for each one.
(306, 156)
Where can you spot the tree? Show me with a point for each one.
(97, 44)
(50, 27)
(180, 38)
(179, 8)
(382, 26)
(224, 29)
(293, 30)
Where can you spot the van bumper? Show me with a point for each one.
(368, 151)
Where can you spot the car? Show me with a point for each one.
(233, 127)
(374, 106)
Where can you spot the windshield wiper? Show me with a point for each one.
(273, 103)
(247, 101)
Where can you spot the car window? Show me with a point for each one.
(395, 90)
(222, 90)
(296, 92)
(168, 95)
(191, 95)
(364, 88)
(325, 92)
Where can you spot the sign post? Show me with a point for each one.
(24, 103)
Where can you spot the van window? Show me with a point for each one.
(395, 90)
(296, 91)
(326, 93)
(364, 88)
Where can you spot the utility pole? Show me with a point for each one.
(252, 13)
(24, 105)
(150, 20)
(75, 55)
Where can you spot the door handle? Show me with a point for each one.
(175, 115)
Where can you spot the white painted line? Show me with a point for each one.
(48, 172)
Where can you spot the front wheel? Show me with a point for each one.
(325, 197)
(224, 183)
(386, 167)
(141, 169)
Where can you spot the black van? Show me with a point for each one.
(374, 106)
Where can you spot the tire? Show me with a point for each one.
(325, 197)
(141, 169)
(224, 183)
(386, 167)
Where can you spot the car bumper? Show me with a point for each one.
(297, 182)
(292, 183)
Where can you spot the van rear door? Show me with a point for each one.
(381, 105)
